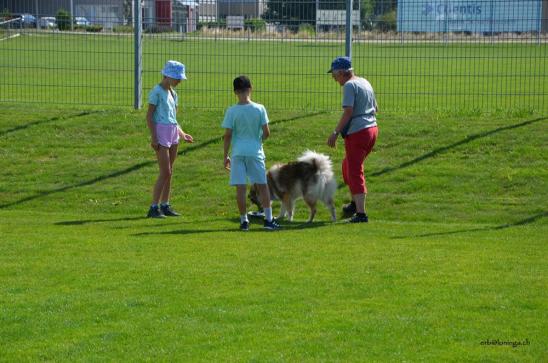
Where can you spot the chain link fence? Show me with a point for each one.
(418, 54)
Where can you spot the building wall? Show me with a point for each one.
(245, 8)
(475, 16)
(208, 11)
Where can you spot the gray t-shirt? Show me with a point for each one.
(359, 94)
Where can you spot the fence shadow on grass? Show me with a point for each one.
(162, 223)
(82, 184)
(89, 221)
(127, 170)
(443, 149)
(41, 122)
(284, 120)
(521, 222)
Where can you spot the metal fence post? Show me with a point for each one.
(138, 32)
(71, 14)
(539, 9)
(348, 40)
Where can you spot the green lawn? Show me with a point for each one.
(407, 77)
(454, 253)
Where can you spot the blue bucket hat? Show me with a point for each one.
(340, 63)
(174, 69)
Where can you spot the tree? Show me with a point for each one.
(63, 18)
(295, 12)
(367, 13)
(291, 12)
(5, 14)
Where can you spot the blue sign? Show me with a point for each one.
(476, 16)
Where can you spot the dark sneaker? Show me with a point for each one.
(273, 225)
(359, 218)
(349, 209)
(244, 226)
(167, 211)
(155, 212)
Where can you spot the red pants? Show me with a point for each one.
(357, 146)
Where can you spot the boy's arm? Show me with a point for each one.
(150, 124)
(266, 132)
(227, 140)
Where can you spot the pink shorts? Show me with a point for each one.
(167, 134)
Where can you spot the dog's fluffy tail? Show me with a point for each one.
(321, 161)
(327, 187)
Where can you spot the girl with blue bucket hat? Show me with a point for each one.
(165, 134)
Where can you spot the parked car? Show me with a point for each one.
(26, 20)
(82, 21)
(47, 22)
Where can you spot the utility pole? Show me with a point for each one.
(317, 9)
(348, 43)
(71, 14)
(138, 51)
(37, 14)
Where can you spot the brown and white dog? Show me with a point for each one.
(310, 177)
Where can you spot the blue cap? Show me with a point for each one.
(340, 63)
(174, 69)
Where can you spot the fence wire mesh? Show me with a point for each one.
(418, 54)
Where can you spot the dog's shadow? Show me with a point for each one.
(255, 226)
(305, 225)
(286, 225)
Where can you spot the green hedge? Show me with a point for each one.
(255, 25)
(63, 19)
(94, 28)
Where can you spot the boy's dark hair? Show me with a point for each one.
(241, 83)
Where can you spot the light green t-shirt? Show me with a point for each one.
(246, 122)
(166, 105)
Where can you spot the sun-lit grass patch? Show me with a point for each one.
(454, 253)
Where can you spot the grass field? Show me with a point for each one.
(98, 69)
(454, 256)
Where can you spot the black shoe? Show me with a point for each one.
(167, 211)
(349, 209)
(359, 218)
(273, 225)
(244, 226)
(155, 212)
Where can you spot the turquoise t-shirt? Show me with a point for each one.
(246, 122)
(166, 105)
